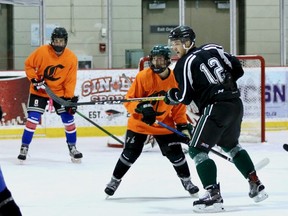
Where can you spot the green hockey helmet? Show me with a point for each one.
(160, 51)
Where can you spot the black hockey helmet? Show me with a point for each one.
(182, 33)
(59, 32)
(160, 50)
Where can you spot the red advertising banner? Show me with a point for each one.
(14, 93)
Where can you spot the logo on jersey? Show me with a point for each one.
(50, 72)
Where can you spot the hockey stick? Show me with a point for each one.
(66, 103)
(264, 162)
(183, 135)
(258, 166)
(99, 127)
(103, 130)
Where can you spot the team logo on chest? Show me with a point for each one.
(50, 72)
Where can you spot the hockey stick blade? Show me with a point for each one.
(285, 147)
(116, 101)
(261, 164)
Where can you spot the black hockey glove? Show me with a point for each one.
(170, 97)
(146, 109)
(228, 83)
(38, 84)
(72, 109)
(1, 113)
(187, 130)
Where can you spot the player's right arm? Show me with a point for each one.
(34, 69)
(33, 64)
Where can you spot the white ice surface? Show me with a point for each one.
(49, 184)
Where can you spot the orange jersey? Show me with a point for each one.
(59, 72)
(146, 84)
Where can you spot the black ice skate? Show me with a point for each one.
(75, 154)
(257, 192)
(211, 202)
(189, 186)
(23, 153)
(112, 186)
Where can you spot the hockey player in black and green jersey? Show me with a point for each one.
(207, 75)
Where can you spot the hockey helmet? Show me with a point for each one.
(59, 32)
(160, 50)
(182, 33)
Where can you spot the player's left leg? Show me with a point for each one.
(171, 148)
(71, 136)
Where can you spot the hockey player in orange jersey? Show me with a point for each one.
(154, 81)
(56, 66)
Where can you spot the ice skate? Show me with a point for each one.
(257, 192)
(189, 186)
(23, 153)
(76, 156)
(112, 186)
(211, 202)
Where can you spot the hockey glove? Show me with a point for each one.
(171, 97)
(1, 113)
(38, 84)
(228, 83)
(72, 109)
(187, 130)
(146, 109)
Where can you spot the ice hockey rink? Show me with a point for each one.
(49, 184)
